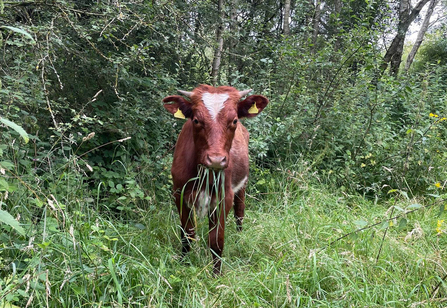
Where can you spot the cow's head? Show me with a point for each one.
(214, 114)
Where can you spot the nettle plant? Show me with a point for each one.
(8, 182)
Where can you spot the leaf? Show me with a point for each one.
(402, 224)
(442, 209)
(399, 208)
(384, 225)
(415, 206)
(4, 186)
(6, 164)
(17, 128)
(20, 31)
(404, 193)
(360, 223)
(111, 268)
(260, 182)
(7, 305)
(7, 218)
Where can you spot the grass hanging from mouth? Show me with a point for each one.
(202, 183)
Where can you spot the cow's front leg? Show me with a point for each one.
(187, 233)
(239, 207)
(217, 230)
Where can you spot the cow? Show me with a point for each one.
(212, 138)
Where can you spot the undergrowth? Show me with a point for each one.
(303, 244)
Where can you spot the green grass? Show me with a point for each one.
(75, 256)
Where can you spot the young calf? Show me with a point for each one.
(214, 138)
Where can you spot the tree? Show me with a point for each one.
(219, 44)
(393, 55)
(315, 24)
(286, 26)
(421, 34)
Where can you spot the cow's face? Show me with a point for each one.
(214, 114)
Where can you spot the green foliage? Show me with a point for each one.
(433, 51)
(86, 217)
(362, 136)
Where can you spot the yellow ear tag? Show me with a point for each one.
(179, 114)
(253, 109)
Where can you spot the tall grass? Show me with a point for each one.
(75, 255)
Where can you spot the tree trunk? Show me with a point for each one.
(286, 26)
(338, 37)
(316, 25)
(393, 55)
(421, 34)
(219, 46)
(233, 39)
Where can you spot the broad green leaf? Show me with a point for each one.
(360, 223)
(384, 225)
(17, 128)
(6, 164)
(20, 31)
(7, 218)
(415, 206)
(4, 186)
(140, 226)
(402, 223)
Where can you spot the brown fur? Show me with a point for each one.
(209, 140)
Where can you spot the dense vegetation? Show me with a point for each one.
(347, 196)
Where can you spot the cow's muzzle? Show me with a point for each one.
(216, 162)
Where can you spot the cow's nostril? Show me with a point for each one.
(216, 162)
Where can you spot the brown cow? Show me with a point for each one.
(213, 138)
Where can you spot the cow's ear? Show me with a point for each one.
(251, 106)
(180, 108)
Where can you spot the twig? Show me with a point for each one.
(103, 145)
(439, 284)
(384, 234)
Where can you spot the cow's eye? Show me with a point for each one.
(195, 121)
(234, 121)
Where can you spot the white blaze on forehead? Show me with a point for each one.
(214, 103)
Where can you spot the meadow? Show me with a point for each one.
(303, 245)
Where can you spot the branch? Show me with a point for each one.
(415, 11)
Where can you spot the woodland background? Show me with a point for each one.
(347, 192)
